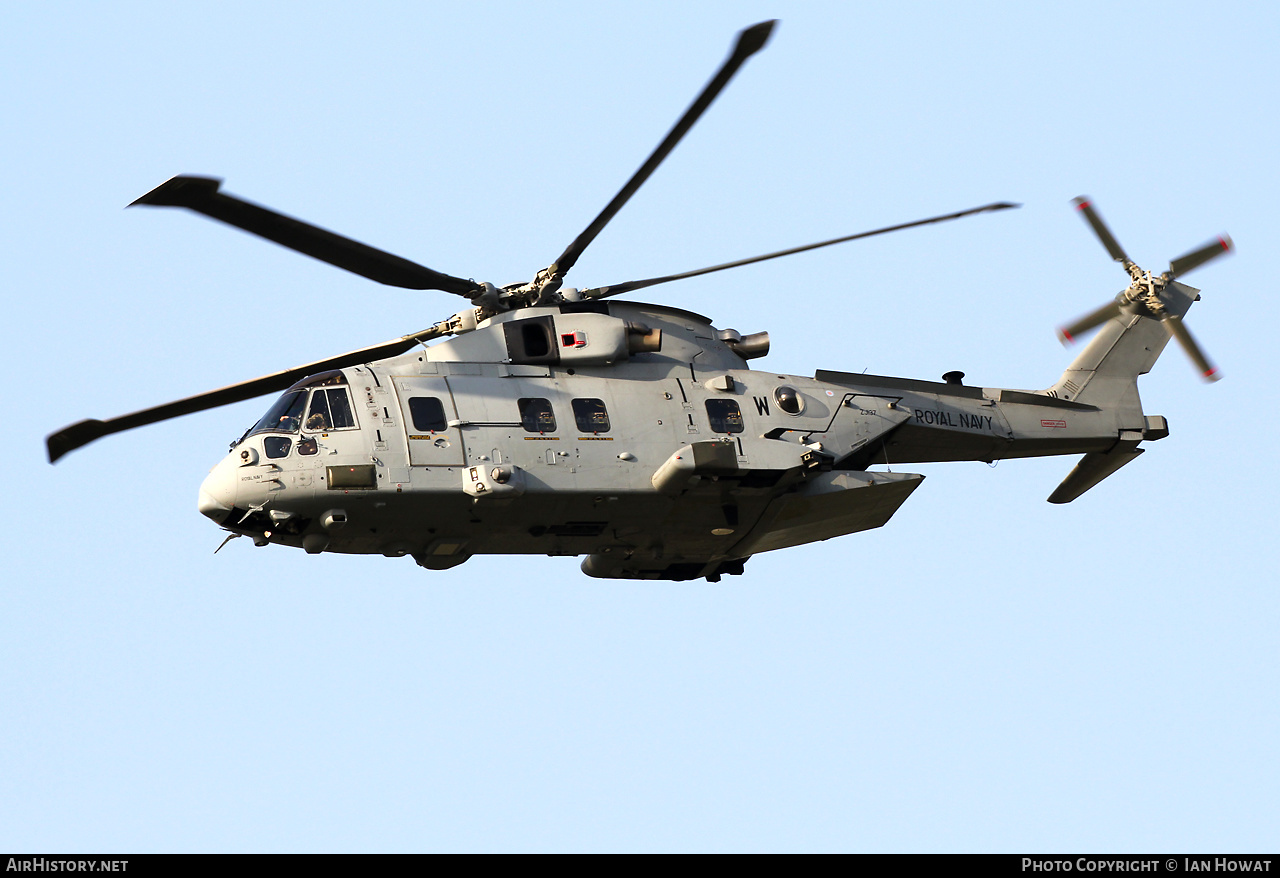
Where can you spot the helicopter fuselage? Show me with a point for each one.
(634, 434)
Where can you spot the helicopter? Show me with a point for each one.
(547, 419)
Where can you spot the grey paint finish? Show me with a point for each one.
(699, 465)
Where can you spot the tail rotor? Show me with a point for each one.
(1144, 294)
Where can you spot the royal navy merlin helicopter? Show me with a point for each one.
(560, 421)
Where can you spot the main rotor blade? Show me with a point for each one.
(1179, 331)
(1071, 331)
(1100, 229)
(618, 289)
(201, 195)
(749, 42)
(1196, 258)
(82, 433)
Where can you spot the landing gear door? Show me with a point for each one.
(428, 408)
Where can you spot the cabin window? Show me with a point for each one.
(308, 446)
(536, 415)
(724, 415)
(277, 446)
(330, 410)
(591, 415)
(427, 413)
(285, 416)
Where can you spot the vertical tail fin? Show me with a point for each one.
(1106, 372)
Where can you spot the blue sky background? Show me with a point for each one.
(986, 673)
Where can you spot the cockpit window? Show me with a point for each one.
(285, 416)
(277, 446)
(330, 410)
(340, 407)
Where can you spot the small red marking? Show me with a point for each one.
(1226, 245)
(1068, 336)
(1053, 423)
(1210, 372)
(1082, 205)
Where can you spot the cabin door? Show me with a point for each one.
(427, 407)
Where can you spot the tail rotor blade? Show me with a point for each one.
(1175, 327)
(1071, 331)
(1085, 206)
(1198, 257)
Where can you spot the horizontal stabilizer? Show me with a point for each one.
(1096, 466)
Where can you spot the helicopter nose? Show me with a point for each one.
(218, 493)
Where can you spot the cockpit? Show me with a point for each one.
(314, 405)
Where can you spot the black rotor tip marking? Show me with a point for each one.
(180, 191)
(73, 437)
(752, 39)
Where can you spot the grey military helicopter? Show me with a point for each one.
(556, 422)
